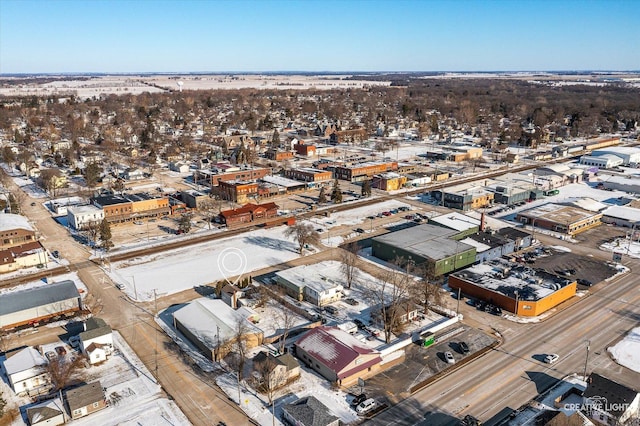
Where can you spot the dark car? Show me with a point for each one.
(359, 324)
(495, 310)
(33, 204)
(464, 348)
(55, 254)
(358, 399)
(480, 305)
(360, 230)
(61, 350)
(584, 282)
(351, 301)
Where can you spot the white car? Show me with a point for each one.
(448, 356)
(366, 406)
(551, 358)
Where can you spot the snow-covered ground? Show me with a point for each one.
(624, 246)
(180, 269)
(627, 351)
(82, 288)
(132, 393)
(357, 215)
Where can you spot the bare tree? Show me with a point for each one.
(285, 319)
(210, 208)
(304, 234)
(387, 296)
(349, 259)
(425, 291)
(269, 376)
(62, 369)
(237, 344)
(93, 304)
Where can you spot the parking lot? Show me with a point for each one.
(394, 385)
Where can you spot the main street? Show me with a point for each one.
(514, 373)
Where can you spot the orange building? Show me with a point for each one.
(307, 174)
(517, 289)
(237, 191)
(127, 207)
(388, 181)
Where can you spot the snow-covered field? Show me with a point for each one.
(82, 288)
(133, 395)
(627, 351)
(176, 270)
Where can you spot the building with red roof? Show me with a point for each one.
(249, 213)
(337, 355)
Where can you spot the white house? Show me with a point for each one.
(96, 353)
(26, 371)
(82, 217)
(133, 174)
(179, 167)
(47, 413)
(96, 331)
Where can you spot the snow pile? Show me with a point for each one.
(627, 351)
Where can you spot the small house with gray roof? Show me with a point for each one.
(85, 400)
(309, 411)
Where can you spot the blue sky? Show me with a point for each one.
(298, 35)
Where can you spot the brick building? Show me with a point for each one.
(128, 207)
(237, 191)
(307, 174)
(363, 171)
(15, 230)
(249, 213)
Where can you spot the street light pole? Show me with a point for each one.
(586, 360)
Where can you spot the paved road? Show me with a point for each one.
(513, 373)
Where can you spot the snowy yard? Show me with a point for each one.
(132, 393)
(357, 215)
(627, 351)
(177, 270)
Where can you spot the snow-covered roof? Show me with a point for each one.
(204, 317)
(88, 209)
(505, 278)
(456, 221)
(480, 247)
(335, 348)
(588, 204)
(319, 276)
(44, 411)
(9, 221)
(558, 213)
(23, 360)
(38, 296)
(282, 181)
(622, 212)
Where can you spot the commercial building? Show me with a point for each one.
(629, 156)
(517, 289)
(15, 230)
(604, 161)
(249, 213)
(436, 248)
(388, 181)
(277, 155)
(464, 197)
(84, 217)
(129, 207)
(287, 185)
(318, 283)
(237, 191)
(211, 325)
(560, 218)
(337, 356)
(227, 173)
(194, 199)
(622, 216)
(621, 183)
(309, 175)
(363, 171)
(37, 304)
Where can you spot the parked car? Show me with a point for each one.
(33, 204)
(360, 230)
(551, 358)
(351, 301)
(495, 310)
(331, 309)
(366, 406)
(359, 324)
(74, 341)
(120, 286)
(51, 355)
(469, 420)
(358, 399)
(60, 350)
(464, 348)
(448, 356)
(584, 282)
(55, 254)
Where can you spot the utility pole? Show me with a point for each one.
(458, 305)
(155, 351)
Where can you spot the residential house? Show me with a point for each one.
(85, 400)
(97, 352)
(179, 167)
(96, 330)
(26, 371)
(48, 413)
(337, 356)
(610, 403)
(281, 369)
(309, 411)
(23, 256)
(133, 174)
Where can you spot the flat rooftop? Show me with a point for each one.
(558, 213)
(456, 221)
(506, 278)
(319, 276)
(429, 241)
